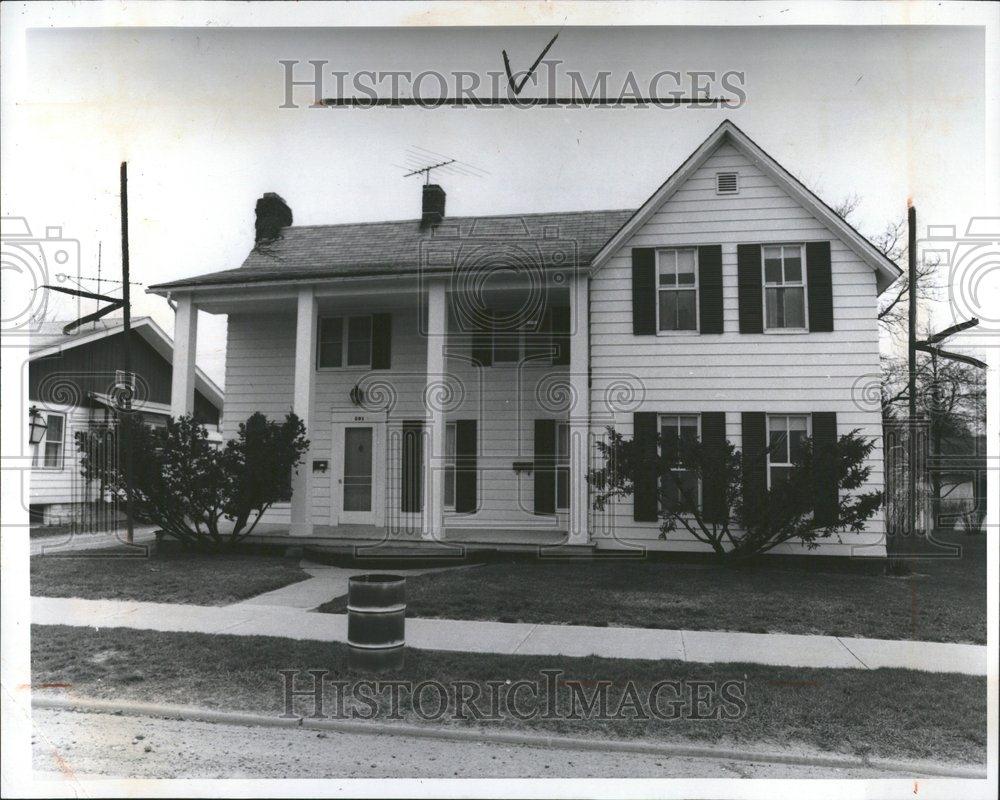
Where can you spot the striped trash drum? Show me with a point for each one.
(376, 622)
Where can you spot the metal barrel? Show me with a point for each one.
(376, 622)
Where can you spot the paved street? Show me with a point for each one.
(69, 744)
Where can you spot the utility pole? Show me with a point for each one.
(911, 465)
(125, 409)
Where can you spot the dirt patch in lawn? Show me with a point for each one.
(168, 575)
(943, 601)
(884, 713)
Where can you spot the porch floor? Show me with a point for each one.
(360, 539)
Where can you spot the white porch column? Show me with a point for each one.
(433, 517)
(185, 345)
(302, 405)
(579, 417)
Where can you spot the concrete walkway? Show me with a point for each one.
(327, 583)
(248, 619)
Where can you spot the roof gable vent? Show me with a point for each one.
(727, 183)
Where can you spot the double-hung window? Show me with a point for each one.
(678, 431)
(450, 452)
(785, 433)
(49, 452)
(344, 342)
(562, 466)
(784, 287)
(677, 289)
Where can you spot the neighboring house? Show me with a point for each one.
(453, 372)
(72, 383)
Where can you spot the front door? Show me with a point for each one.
(354, 464)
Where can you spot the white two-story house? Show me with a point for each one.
(454, 372)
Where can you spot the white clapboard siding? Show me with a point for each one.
(733, 372)
(504, 400)
(64, 484)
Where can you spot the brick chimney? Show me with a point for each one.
(273, 214)
(433, 206)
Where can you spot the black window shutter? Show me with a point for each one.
(754, 432)
(645, 507)
(820, 286)
(710, 288)
(543, 468)
(824, 438)
(466, 474)
(643, 291)
(412, 466)
(381, 341)
(482, 338)
(560, 335)
(750, 288)
(713, 442)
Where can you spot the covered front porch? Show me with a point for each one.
(437, 416)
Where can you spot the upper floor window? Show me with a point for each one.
(344, 341)
(677, 288)
(785, 434)
(49, 452)
(677, 431)
(784, 287)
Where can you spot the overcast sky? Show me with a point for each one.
(885, 114)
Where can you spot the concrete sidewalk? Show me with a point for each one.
(776, 649)
(64, 543)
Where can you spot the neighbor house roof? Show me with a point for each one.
(371, 249)
(48, 339)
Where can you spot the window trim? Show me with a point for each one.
(450, 462)
(344, 341)
(764, 287)
(561, 463)
(695, 287)
(659, 432)
(767, 439)
(39, 449)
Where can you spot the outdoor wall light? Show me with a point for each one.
(36, 425)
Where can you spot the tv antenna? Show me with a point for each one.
(420, 161)
(426, 171)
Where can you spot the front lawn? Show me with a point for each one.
(168, 575)
(944, 600)
(883, 713)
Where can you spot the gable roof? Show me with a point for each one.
(49, 340)
(886, 271)
(372, 249)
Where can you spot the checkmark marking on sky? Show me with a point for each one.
(517, 87)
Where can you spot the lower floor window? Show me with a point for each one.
(562, 466)
(785, 435)
(49, 452)
(676, 432)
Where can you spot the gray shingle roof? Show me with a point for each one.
(50, 332)
(568, 239)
